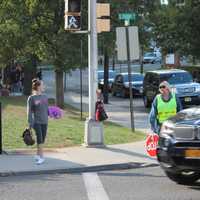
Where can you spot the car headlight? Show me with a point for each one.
(101, 82)
(167, 128)
(141, 90)
(126, 85)
(197, 89)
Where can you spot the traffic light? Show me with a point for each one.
(72, 15)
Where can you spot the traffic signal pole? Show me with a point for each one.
(93, 129)
(92, 56)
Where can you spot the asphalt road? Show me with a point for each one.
(118, 108)
(136, 184)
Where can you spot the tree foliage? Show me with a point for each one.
(35, 29)
(177, 27)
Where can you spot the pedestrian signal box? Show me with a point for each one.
(72, 15)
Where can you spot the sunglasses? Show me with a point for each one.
(162, 87)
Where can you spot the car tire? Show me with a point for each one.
(113, 93)
(147, 103)
(123, 93)
(184, 179)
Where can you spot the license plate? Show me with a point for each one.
(192, 153)
(188, 99)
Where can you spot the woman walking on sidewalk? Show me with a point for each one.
(37, 112)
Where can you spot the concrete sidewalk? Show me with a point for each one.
(77, 159)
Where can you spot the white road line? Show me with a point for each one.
(94, 187)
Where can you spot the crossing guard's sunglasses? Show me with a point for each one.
(162, 87)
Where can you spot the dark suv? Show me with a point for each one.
(181, 81)
(178, 148)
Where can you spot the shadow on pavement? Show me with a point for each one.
(131, 153)
(30, 178)
(130, 174)
(26, 165)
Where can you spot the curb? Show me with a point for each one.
(123, 166)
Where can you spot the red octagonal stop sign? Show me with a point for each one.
(151, 144)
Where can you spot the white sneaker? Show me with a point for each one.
(36, 157)
(40, 161)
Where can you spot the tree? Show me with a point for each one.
(17, 42)
(37, 32)
(56, 45)
(177, 27)
(188, 23)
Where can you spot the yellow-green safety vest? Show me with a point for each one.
(166, 109)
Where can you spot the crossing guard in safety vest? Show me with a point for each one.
(165, 105)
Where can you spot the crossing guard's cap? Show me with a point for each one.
(166, 84)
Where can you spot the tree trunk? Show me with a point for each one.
(141, 60)
(59, 88)
(193, 60)
(106, 76)
(113, 64)
(29, 73)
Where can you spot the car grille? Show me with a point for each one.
(186, 90)
(185, 132)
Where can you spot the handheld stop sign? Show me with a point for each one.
(151, 144)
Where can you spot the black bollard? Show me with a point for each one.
(0, 130)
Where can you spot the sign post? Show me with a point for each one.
(130, 80)
(128, 51)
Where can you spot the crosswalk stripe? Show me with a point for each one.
(94, 187)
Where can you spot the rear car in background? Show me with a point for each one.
(178, 149)
(151, 58)
(120, 86)
(111, 77)
(181, 81)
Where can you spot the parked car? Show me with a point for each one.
(178, 149)
(151, 58)
(120, 85)
(181, 81)
(111, 75)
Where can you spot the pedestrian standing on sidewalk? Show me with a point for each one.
(37, 112)
(165, 105)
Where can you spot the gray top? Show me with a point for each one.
(37, 109)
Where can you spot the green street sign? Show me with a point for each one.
(127, 16)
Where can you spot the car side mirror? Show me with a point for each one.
(154, 82)
(195, 80)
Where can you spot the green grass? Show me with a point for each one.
(65, 132)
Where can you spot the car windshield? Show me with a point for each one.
(135, 77)
(149, 55)
(176, 78)
(111, 75)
